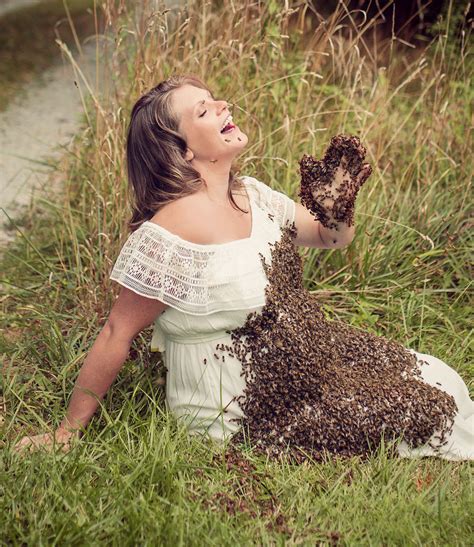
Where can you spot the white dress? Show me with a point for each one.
(211, 289)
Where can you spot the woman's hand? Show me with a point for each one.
(62, 438)
(329, 187)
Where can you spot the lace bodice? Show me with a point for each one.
(202, 279)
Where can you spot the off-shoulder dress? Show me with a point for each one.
(211, 289)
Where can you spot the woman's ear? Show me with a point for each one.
(189, 155)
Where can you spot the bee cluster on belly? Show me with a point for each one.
(316, 386)
(317, 179)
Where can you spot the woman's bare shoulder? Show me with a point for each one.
(187, 217)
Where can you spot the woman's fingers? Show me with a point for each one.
(33, 441)
(364, 174)
(23, 444)
(44, 440)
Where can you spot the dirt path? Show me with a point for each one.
(33, 129)
(38, 127)
(12, 5)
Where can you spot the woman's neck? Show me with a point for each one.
(216, 174)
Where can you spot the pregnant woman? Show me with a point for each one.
(211, 261)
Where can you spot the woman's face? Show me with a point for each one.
(201, 120)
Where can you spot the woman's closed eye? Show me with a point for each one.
(201, 115)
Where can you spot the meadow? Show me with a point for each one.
(295, 79)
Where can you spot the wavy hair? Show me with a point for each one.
(157, 171)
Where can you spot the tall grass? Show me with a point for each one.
(136, 477)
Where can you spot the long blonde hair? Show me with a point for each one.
(157, 171)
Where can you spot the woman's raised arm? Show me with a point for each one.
(130, 314)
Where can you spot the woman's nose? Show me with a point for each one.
(222, 106)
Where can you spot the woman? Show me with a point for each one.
(193, 266)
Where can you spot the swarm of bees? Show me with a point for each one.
(317, 387)
(329, 187)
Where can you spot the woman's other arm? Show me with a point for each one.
(311, 233)
(130, 314)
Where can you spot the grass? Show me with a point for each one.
(136, 477)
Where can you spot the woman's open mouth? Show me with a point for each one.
(228, 129)
(228, 126)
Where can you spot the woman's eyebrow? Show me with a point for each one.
(202, 101)
(198, 103)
